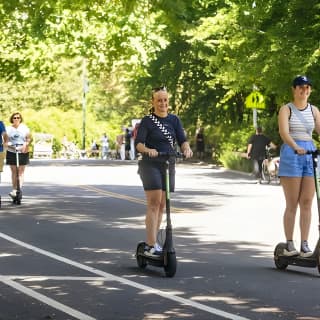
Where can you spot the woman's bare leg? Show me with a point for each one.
(291, 188)
(152, 220)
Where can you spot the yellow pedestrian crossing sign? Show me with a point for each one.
(255, 100)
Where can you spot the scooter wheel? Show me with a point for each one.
(170, 267)
(141, 261)
(278, 251)
(16, 201)
(19, 197)
(319, 264)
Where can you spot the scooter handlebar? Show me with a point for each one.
(14, 147)
(174, 154)
(169, 154)
(313, 152)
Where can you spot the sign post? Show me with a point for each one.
(254, 101)
(84, 93)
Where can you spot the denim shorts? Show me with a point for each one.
(152, 174)
(294, 165)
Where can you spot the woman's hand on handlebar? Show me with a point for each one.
(186, 150)
(300, 150)
(152, 153)
(188, 153)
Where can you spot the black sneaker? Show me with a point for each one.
(290, 250)
(305, 250)
(151, 251)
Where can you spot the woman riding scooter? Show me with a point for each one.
(158, 132)
(19, 141)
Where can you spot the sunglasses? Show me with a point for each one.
(163, 88)
(16, 118)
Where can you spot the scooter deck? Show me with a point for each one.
(153, 261)
(157, 261)
(282, 261)
(309, 262)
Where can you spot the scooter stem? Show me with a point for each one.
(315, 155)
(168, 242)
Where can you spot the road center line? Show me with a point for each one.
(111, 277)
(128, 198)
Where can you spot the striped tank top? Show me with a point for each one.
(298, 129)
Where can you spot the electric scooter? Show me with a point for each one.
(168, 259)
(18, 197)
(281, 261)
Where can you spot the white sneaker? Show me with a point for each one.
(290, 250)
(305, 251)
(158, 247)
(151, 251)
(290, 253)
(13, 193)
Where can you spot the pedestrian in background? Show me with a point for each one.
(200, 146)
(127, 140)
(256, 150)
(297, 120)
(94, 149)
(104, 146)
(120, 149)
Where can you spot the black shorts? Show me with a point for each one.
(11, 158)
(152, 174)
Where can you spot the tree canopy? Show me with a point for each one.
(209, 53)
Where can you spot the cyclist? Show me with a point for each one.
(256, 150)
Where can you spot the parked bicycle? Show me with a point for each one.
(270, 168)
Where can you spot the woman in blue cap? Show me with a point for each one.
(297, 120)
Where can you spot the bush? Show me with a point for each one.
(236, 161)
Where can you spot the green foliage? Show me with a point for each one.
(210, 54)
(69, 123)
(235, 161)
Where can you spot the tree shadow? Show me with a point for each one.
(101, 231)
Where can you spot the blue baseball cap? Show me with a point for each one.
(300, 81)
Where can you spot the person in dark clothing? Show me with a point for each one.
(256, 150)
(127, 139)
(200, 144)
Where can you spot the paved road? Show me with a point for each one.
(68, 251)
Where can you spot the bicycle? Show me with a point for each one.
(270, 168)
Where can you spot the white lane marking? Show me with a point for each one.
(46, 278)
(55, 304)
(111, 277)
